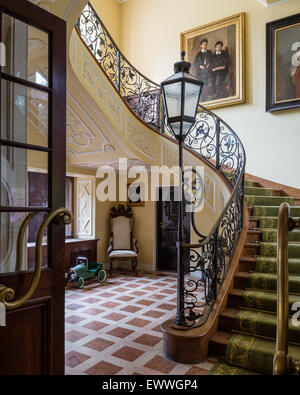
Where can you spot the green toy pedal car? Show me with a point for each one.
(85, 271)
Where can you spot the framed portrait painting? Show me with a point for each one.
(135, 193)
(217, 55)
(283, 64)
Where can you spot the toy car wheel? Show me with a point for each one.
(81, 282)
(101, 276)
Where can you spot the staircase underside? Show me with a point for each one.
(245, 340)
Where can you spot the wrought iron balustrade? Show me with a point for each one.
(141, 94)
(211, 139)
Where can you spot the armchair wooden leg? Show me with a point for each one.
(134, 264)
(110, 266)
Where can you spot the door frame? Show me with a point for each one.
(49, 296)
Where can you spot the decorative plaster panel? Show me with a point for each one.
(102, 91)
(210, 192)
(73, 50)
(169, 157)
(140, 140)
(45, 4)
(84, 208)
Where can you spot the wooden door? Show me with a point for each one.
(168, 227)
(33, 136)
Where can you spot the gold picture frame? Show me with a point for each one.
(224, 75)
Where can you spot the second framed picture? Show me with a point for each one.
(217, 54)
(283, 63)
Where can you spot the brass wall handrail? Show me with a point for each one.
(61, 216)
(283, 363)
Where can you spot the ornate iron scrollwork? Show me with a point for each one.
(140, 94)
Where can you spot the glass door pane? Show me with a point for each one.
(27, 51)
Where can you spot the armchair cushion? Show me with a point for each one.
(121, 229)
(122, 254)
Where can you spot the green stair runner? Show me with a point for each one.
(251, 348)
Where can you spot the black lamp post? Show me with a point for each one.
(181, 94)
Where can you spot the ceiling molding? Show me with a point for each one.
(271, 3)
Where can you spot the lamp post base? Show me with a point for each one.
(185, 345)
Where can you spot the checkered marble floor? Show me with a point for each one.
(114, 327)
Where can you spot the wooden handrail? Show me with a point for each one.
(283, 363)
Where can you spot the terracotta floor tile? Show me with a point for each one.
(161, 284)
(93, 311)
(138, 293)
(95, 325)
(168, 291)
(194, 370)
(110, 305)
(114, 316)
(157, 329)
(166, 306)
(145, 302)
(125, 298)
(106, 295)
(74, 296)
(151, 288)
(148, 340)
(89, 292)
(153, 314)
(157, 296)
(91, 300)
(99, 344)
(103, 368)
(144, 281)
(131, 309)
(129, 279)
(138, 322)
(114, 282)
(133, 285)
(74, 319)
(74, 358)
(160, 364)
(74, 306)
(74, 336)
(120, 332)
(121, 290)
(128, 353)
(170, 280)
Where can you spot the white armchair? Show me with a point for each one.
(122, 245)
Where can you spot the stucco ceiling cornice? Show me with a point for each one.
(271, 3)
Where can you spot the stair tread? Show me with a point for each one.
(248, 259)
(252, 244)
(254, 231)
(242, 274)
(230, 312)
(236, 292)
(221, 337)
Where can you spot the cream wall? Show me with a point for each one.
(110, 13)
(150, 38)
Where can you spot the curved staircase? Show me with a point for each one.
(247, 327)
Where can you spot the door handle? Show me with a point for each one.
(59, 216)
